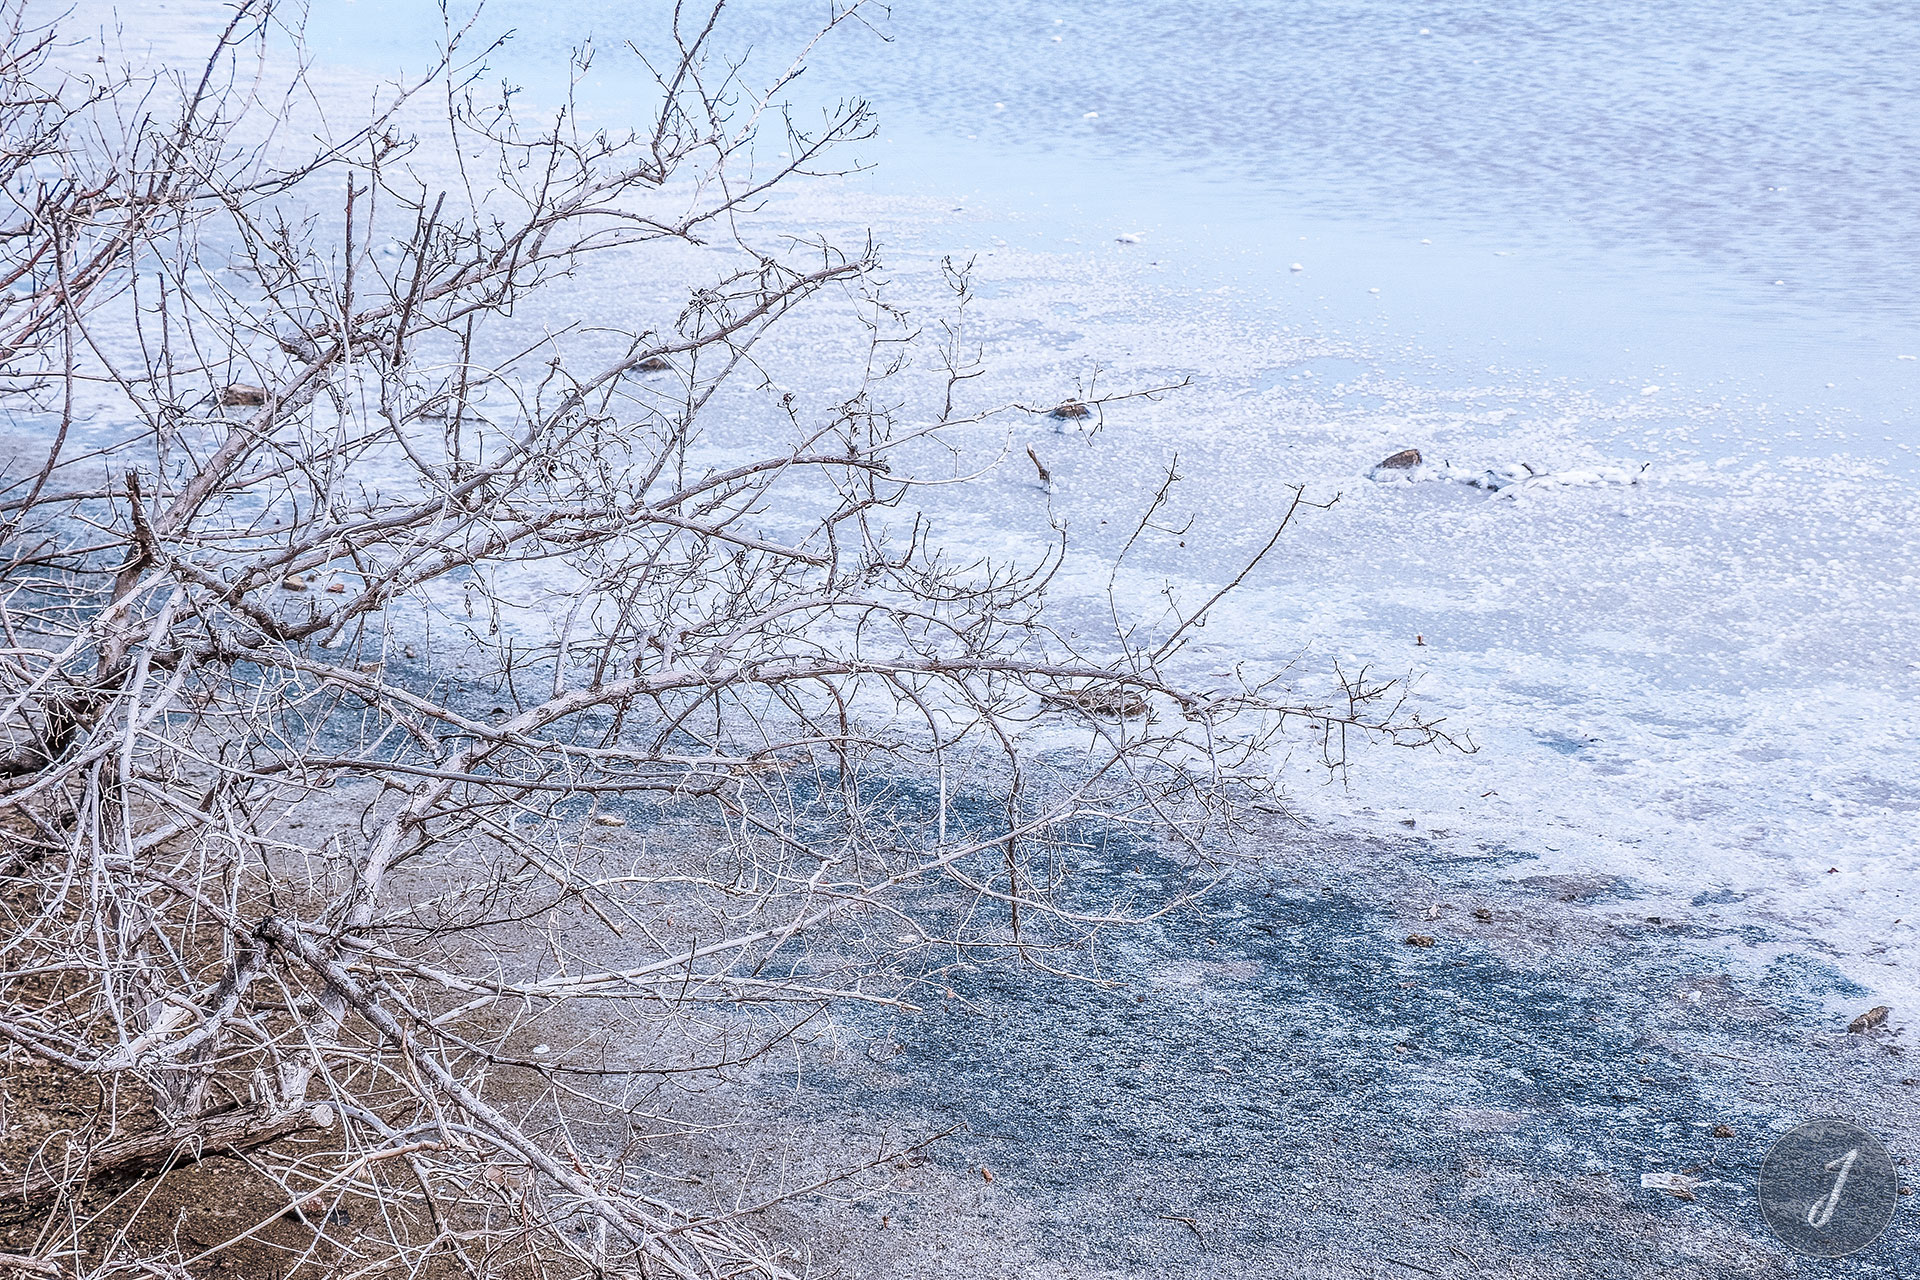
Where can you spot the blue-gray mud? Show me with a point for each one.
(1277, 1083)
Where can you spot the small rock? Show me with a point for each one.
(986, 1173)
(1072, 410)
(1419, 940)
(609, 819)
(337, 587)
(1482, 914)
(409, 652)
(1867, 1021)
(1723, 1131)
(294, 582)
(240, 395)
(1405, 460)
(654, 364)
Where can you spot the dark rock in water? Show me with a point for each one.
(1419, 940)
(240, 395)
(1071, 409)
(654, 364)
(1869, 1020)
(1405, 460)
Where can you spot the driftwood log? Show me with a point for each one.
(112, 1167)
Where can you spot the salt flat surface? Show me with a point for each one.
(1685, 643)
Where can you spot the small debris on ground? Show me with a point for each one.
(1723, 1131)
(1405, 460)
(1046, 476)
(1677, 1185)
(1419, 940)
(1122, 703)
(1071, 409)
(1867, 1021)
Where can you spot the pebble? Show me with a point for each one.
(1867, 1021)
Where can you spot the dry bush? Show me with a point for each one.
(431, 731)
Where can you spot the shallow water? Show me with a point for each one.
(1723, 193)
(1675, 243)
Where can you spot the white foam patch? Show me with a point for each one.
(1510, 479)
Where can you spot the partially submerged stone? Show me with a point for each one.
(239, 395)
(1405, 460)
(1874, 1017)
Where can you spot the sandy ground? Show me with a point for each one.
(1281, 1085)
(1273, 1082)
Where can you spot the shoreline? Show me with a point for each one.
(1284, 1086)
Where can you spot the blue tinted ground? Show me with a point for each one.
(1278, 1084)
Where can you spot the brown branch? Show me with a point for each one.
(112, 1167)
